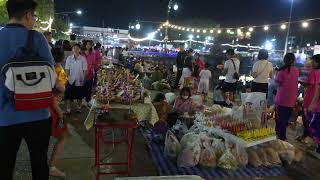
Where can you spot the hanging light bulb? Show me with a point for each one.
(219, 31)
(204, 31)
(211, 31)
(305, 24)
(251, 29)
(283, 26)
(266, 28)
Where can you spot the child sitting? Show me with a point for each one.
(161, 106)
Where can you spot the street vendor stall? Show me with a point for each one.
(118, 88)
(222, 143)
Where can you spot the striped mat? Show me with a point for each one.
(167, 167)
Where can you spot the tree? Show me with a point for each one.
(3, 12)
(58, 27)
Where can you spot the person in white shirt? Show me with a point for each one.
(76, 69)
(231, 67)
(261, 72)
(205, 76)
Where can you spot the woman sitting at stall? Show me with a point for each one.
(183, 103)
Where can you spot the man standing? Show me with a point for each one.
(231, 67)
(32, 126)
(180, 63)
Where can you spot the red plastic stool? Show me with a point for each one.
(128, 127)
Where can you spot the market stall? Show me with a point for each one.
(119, 89)
(222, 143)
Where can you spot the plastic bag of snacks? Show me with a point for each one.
(180, 129)
(254, 159)
(241, 155)
(190, 156)
(170, 97)
(189, 138)
(263, 157)
(207, 156)
(172, 146)
(228, 162)
(218, 147)
(272, 156)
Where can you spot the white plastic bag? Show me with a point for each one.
(189, 157)
(208, 156)
(218, 147)
(241, 155)
(197, 100)
(180, 129)
(170, 97)
(172, 146)
(228, 162)
(189, 138)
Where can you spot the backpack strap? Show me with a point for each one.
(27, 50)
(234, 65)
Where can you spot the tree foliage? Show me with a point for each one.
(3, 12)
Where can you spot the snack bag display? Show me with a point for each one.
(172, 146)
(208, 156)
(189, 138)
(190, 156)
(228, 162)
(218, 147)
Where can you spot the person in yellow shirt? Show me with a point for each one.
(58, 125)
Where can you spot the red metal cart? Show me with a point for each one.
(109, 121)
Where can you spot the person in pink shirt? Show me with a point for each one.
(91, 58)
(315, 107)
(184, 104)
(287, 93)
(310, 83)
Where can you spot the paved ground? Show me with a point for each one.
(78, 158)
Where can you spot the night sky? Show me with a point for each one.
(207, 13)
(118, 13)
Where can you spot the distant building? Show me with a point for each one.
(106, 36)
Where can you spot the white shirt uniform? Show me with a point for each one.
(262, 68)
(230, 67)
(204, 81)
(76, 68)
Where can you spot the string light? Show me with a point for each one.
(219, 31)
(211, 31)
(228, 31)
(283, 26)
(188, 29)
(198, 30)
(250, 29)
(192, 30)
(204, 31)
(266, 28)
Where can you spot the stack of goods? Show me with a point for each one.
(256, 134)
(232, 125)
(199, 147)
(274, 153)
(117, 85)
